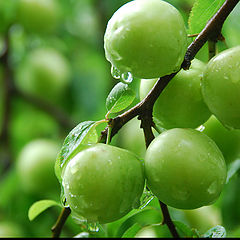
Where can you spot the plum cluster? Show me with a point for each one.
(185, 165)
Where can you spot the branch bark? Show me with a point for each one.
(57, 228)
(5, 153)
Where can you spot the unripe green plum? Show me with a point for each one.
(221, 87)
(103, 183)
(181, 103)
(203, 218)
(154, 231)
(45, 73)
(35, 167)
(38, 16)
(131, 137)
(185, 169)
(227, 140)
(146, 38)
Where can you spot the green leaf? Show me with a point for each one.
(215, 232)
(120, 97)
(187, 231)
(233, 169)
(132, 231)
(143, 218)
(39, 207)
(201, 13)
(83, 134)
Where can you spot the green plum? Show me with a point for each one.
(35, 167)
(44, 73)
(154, 231)
(181, 103)
(203, 218)
(131, 137)
(227, 140)
(185, 169)
(38, 16)
(146, 38)
(221, 87)
(103, 183)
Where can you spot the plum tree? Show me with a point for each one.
(185, 169)
(139, 39)
(181, 103)
(103, 183)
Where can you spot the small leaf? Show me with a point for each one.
(187, 231)
(232, 169)
(201, 13)
(132, 231)
(39, 207)
(120, 97)
(76, 140)
(143, 217)
(215, 232)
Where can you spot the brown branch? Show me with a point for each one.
(58, 114)
(57, 228)
(5, 153)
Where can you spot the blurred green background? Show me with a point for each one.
(53, 75)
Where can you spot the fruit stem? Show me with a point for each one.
(167, 220)
(57, 228)
(211, 49)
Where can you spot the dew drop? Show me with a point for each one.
(126, 77)
(212, 189)
(200, 128)
(93, 227)
(180, 194)
(115, 72)
(146, 198)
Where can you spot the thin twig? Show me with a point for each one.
(58, 114)
(57, 228)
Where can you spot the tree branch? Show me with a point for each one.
(57, 228)
(52, 110)
(5, 153)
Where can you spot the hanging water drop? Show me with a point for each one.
(115, 72)
(126, 77)
(93, 227)
(146, 198)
